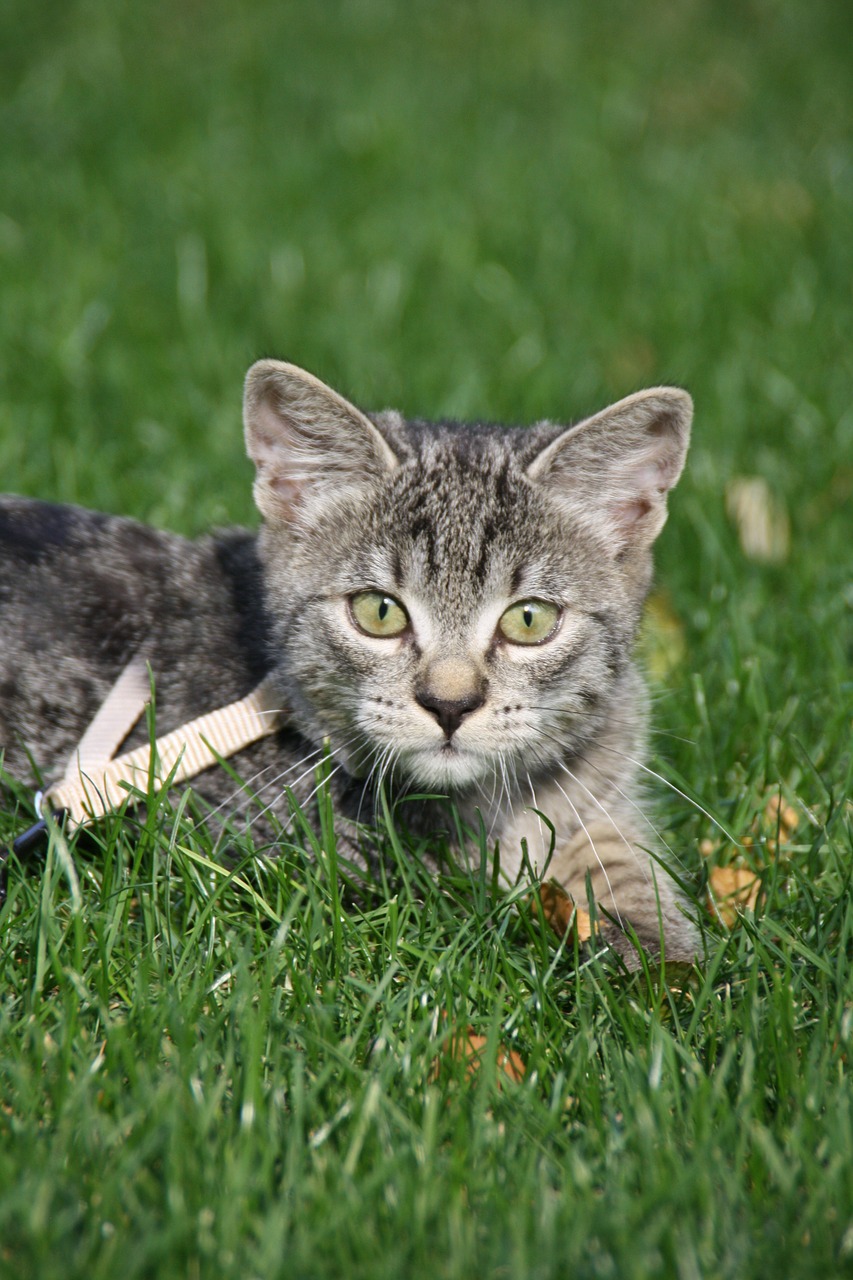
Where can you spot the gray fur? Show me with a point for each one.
(457, 523)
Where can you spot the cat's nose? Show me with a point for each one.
(450, 712)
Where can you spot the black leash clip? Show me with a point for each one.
(26, 846)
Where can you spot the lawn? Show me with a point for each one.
(492, 210)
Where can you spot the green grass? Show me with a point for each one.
(501, 210)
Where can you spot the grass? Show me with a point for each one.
(507, 211)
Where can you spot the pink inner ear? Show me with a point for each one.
(286, 487)
(266, 435)
(629, 514)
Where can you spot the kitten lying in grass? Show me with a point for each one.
(453, 608)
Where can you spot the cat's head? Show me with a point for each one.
(457, 602)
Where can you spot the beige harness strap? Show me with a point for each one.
(124, 705)
(92, 788)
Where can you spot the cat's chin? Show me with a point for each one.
(446, 768)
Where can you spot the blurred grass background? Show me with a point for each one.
(481, 210)
(470, 209)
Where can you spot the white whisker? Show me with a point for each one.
(505, 788)
(247, 786)
(594, 850)
(333, 751)
(579, 782)
(494, 809)
(257, 793)
(628, 799)
(639, 764)
(536, 808)
(381, 767)
(637, 807)
(608, 716)
(627, 843)
(302, 803)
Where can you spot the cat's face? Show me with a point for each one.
(451, 602)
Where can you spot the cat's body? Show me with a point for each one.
(452, 608)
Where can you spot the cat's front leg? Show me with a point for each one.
(633, 892)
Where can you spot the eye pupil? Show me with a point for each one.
(383, 609)
(528, 616)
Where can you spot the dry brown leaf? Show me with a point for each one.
(662, 642)
(562, 914)
(770, 832)
(469, 1047)
(760, 518)
(781, 816)
(731, 891)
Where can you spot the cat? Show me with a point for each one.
(452, 608)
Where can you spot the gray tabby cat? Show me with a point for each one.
(453, 607)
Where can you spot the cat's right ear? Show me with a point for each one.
(307, 442)
(614, 470)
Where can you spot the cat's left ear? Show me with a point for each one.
(615, 469)
(309, 445)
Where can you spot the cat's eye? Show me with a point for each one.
(376, 614)
(529, 622)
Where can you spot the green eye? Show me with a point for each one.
(378, 615)
(529, 622)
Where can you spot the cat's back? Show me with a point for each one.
(81, 592)
(76, 581)
(68, 575)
